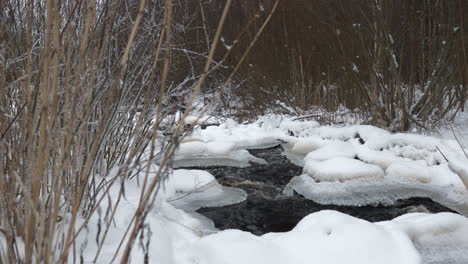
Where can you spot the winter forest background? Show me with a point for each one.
(87, 87)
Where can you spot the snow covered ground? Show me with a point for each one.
(353, 165)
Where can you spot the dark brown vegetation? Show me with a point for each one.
(404, 61)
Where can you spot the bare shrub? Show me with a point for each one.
(86, 88)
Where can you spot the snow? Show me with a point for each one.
(171, 225)
(304, 146)
(331, 150)
(324, 237)
(351, 165)
(460, 168)
(197, 119)
(341, 169)
(439, 238)
(410, 170)
(204, 154)
(344, 167)
(193, 189)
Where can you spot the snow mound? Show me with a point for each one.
(439, 238)
(204, 154)
(194, 189)
(331, 150)
(324, 237)
(306, 145)
(341, 169)
(354, 165)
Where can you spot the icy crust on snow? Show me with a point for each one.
(323, 237)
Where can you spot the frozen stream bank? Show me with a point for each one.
(268, 210)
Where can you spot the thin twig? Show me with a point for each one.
(459, 143)
(442, 154)
(13, 121)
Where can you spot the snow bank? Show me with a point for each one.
(170, 226)
(354, 165)
(324, 237)
(360, 165)
(439, 238)
(204, 154)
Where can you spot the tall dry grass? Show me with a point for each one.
(85, 87)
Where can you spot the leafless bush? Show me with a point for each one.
(85, 88)
(404, 62)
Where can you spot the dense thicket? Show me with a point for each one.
(405, 61)
(84, 89)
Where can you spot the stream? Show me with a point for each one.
(268, 210)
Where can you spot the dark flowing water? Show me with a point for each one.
(267, 210)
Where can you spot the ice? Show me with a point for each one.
(341, 169)
(324, 237)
